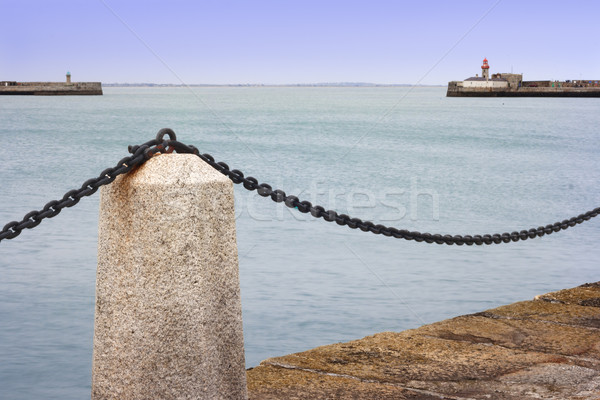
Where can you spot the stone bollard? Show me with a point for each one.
(168, 321)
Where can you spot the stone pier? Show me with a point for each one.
(168, 321)
(545, 348)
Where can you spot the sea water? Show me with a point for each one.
(405, 157)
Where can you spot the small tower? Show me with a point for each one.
(68, 77)
(485, 69)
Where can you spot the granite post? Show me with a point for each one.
(168, 321)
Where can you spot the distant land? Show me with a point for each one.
(324, 84)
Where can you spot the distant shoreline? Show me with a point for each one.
(350, 84)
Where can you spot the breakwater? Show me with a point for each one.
(455, 89)
(50, 88)
(512, 85)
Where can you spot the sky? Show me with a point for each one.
(286, 42)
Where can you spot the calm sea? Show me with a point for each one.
(413, 159)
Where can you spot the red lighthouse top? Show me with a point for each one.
(485, 64)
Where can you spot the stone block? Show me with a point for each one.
(168, 322)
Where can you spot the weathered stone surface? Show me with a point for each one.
(584, 295)
(168, 313)
(275, 382)
(530, 336)
(549, 312)
(547, 348)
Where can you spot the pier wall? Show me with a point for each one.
(51, 88)
(541, 84)
(456, 90)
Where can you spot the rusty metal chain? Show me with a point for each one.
(159, 145)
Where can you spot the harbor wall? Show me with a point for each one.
(50, 88)
(456, 90)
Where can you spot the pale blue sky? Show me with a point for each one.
(278, 42)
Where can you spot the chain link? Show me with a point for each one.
(72, 197)
(145, 151)
(278, 196)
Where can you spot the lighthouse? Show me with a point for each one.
(485, 69)
(68, 77)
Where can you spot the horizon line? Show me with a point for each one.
(317, 84)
